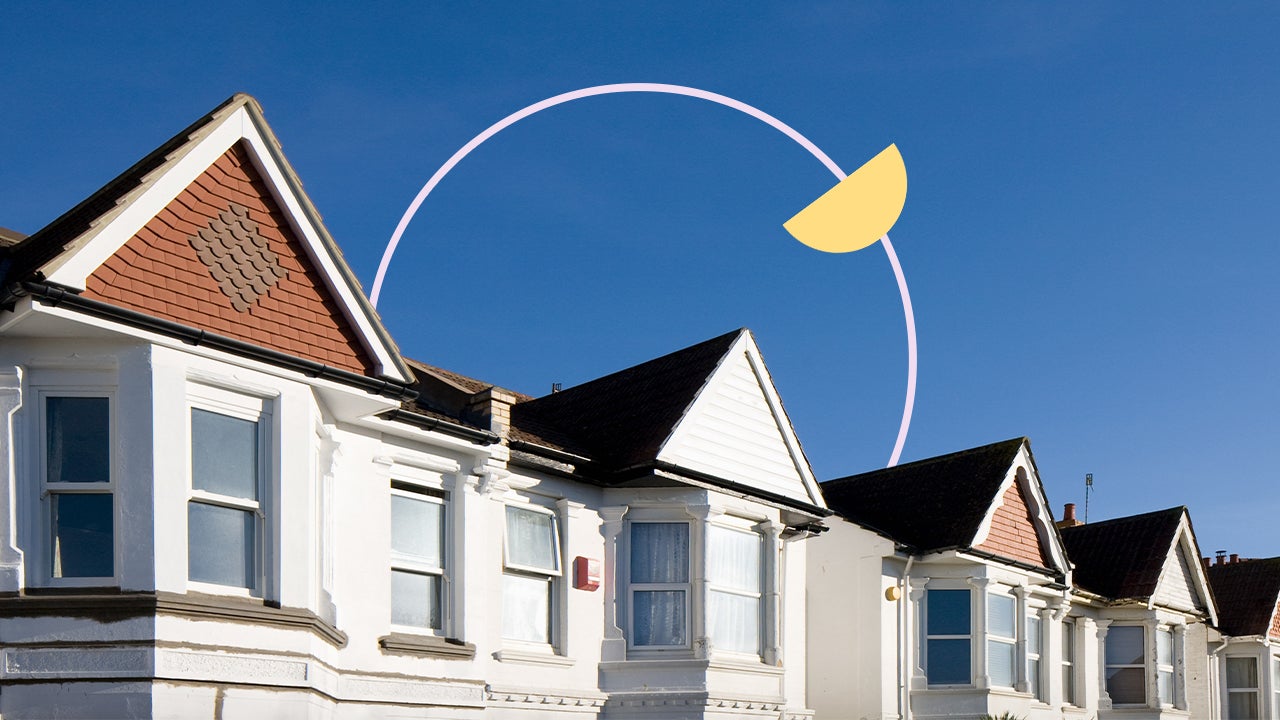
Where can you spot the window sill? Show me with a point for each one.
(427, 646)
(532, 657)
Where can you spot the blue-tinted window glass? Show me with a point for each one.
(659, 617)
(78, 439)
(82, 535)
(948, 662)
(659, 552)
(221, 545)
(948, 612)
(1125, 645)
(224, 454)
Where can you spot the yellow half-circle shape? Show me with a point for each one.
(859, 210)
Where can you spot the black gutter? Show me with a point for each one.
(426, 422)
(719, 482)
(57, 295)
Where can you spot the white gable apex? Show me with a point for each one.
(239, 121)
(736, 429)
(1182, 582)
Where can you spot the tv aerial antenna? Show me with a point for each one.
(1088, 490)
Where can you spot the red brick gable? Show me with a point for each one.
(189, 264)
(1275, 623)
(1013, 531)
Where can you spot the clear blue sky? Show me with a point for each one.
(1090, 233)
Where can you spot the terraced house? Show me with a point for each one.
(226, 493)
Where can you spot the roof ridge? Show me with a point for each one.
(1178, 509)
(929, 460)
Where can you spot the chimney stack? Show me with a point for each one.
(1235, 558)
(1069, 517)
(1222, 557)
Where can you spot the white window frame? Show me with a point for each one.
(1273, 662)
(1035, 626)
(687, 587)
(553, 576)
(1069, 661)
(1170, 668)
(745, 527)
(44, 557)
(1148, 650)
(254, 409)
(925, 637)
(412, 489)
(1255, 690)
(1010, 641)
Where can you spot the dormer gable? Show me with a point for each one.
(736, 428)
(1183, 584)
(212, 231)
(1018, 524)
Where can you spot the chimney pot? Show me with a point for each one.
(1235, 558)
(1221, 557)
(1069, 512)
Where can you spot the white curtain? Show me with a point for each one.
(531, 540)
(659, 557)
(526, 608)
(659, 617)
(733, 603)
(659, 553)
(417, 529)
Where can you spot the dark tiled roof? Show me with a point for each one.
(929, 504)
(621, 420)
(1246, 593)
(50, 241)
(1122, 558)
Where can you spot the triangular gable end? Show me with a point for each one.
(1183, 584)
(1273, 629)
(221, 237)
(1018, 525)
(737, 429)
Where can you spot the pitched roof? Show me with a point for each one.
(622, 419)
(9, 238)
(1123, 558)
(930, 504)
(1246, 593)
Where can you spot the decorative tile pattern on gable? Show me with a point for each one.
(238, 257)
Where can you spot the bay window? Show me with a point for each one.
(531, 567)
(1001, 639)
(659, 588)
(226, 508)
(1242, 688)
(417, 557)
(734, 589)
(947, 653)
(1126, 664)
(78, 486)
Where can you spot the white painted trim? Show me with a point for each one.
(164, 184)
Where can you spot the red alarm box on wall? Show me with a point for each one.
(586, 573)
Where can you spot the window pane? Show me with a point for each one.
(1242, 672)
(948, 662)
(1000, 615)
(224, 454)
(1033, 677)
(526, 608)
(417, 529)
(733, 559)
(659, 617)
(1126, 685)
(734, 622)
(531, 539)
(1164, 686)
(1069, 684)
(1124, 645)
(221, 545)
(1242, 706)
(660, 553)
(415, 599)
(78, 439)
(948, 612)
(1164, 647)
(82, 535)
(1033, 635)
(1000, 663)
(1069, 642)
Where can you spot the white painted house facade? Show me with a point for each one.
(225, 494)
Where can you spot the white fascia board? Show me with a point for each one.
(1038, 504)
(382, 404)
(165, 183)
(784, 423)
